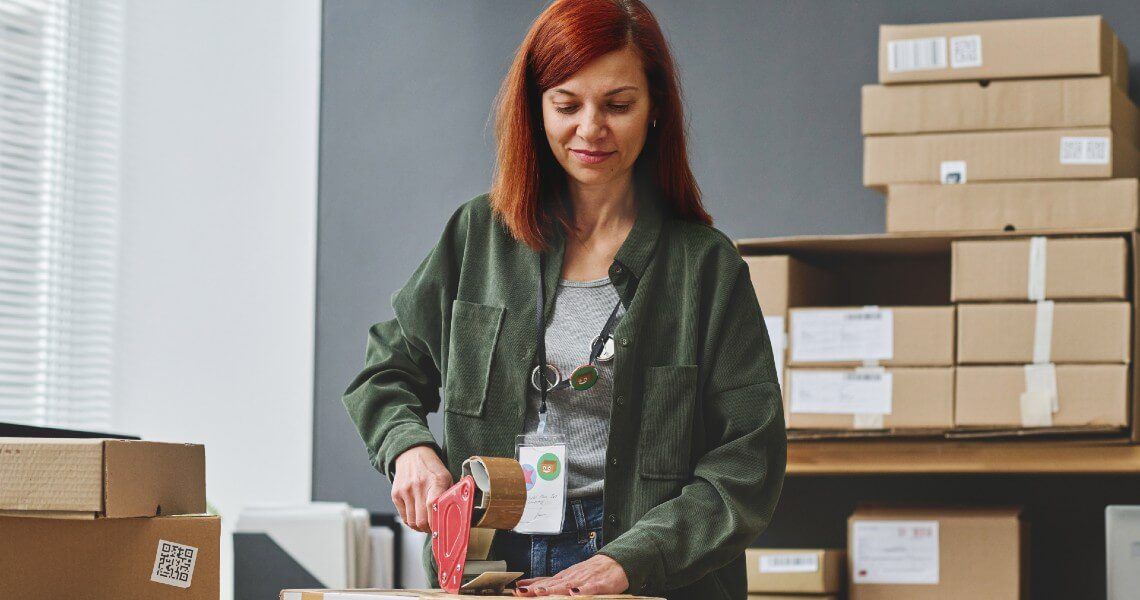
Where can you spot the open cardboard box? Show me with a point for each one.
(914, 269)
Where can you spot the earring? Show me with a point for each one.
(655, 122)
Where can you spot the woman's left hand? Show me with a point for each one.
(596, 575)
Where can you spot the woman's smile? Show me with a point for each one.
(591, 158)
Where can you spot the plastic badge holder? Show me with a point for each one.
(543, 460)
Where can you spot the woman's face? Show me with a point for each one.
(597, 120)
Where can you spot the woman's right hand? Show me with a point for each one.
(420, 478)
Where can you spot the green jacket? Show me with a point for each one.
(697, 447)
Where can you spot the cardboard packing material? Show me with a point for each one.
(1014, 396)
(421, 594)
(90, 478)
(1012, 104)
(782, 282)
(889, 336)
(893, 398)
(1050, 268)
(1000, 49)
(1075, 153)
(156, 558)
(1091, 204)
(937, 553)
(1059, 332)
(814, 571)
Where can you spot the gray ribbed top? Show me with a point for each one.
(583, 417)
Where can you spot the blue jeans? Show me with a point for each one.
(546, 555)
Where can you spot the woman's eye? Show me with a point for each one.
(566, 110)
(619, 107)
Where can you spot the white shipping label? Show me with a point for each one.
(174, 564)
(841, 335)
(1085, 150)
(965, 51)
(775, 326)
(921, 54)
(862, 391)
(895, 552)
(789, 563)
(952, 171)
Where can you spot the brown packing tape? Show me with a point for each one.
(502, 491)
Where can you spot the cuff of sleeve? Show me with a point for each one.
(637, 553)
(397, 441)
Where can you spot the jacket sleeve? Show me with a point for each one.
(390, 398)
(736, 483)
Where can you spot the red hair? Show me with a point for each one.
(568, 35)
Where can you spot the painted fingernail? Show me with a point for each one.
(575, 590)
(523, 590)
(541, 590)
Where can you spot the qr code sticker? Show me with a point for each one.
(965, 51)
(174, 564)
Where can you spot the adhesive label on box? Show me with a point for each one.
(920, 54)
(799, 562)
(965, 51)
(894, 552)
(952, 171)
(840, 335)
(174, 564)
(776, 333)
(1085, 150)
(861, 391)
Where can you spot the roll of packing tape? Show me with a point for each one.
(502, 491)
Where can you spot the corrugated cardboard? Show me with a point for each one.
(424, 594)
(995, 156)
(109, 559)
(923, 336)
(1091, 268)
(1087, 395)
(1027, 206)
(1079, 332)
(1120, 64)
(783, 281)
(982, 553)
(921, 398)
(814, 571)
(999, 105)
(101, 478)
(1009, 49)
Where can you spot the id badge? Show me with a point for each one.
(543, 460)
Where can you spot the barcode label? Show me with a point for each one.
(965, 51)
(920, 54)
(1085, 150)
(174, 564)
(819, 391)
(789, 563)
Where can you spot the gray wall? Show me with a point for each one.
(772, 93)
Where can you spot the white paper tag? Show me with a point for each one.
(1038, 263)
(920, 54)
(174, 564)
(952, 171)
(840, 335)
(776, 333)
(1040, 400)
(800, 562)
(861, 391)
(965, 51)
(544, 469)
(895, 552)
(1085, 150)
(1043, 332)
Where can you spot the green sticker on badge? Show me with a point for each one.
(548, 466)
(584, 377)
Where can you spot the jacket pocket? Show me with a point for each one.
(474, 333)
(667, 412)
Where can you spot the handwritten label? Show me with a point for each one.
(544, 469)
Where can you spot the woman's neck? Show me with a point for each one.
(602, 212)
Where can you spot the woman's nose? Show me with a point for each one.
(593, 125)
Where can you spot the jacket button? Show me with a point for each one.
(617, 268)
(614, 461)
(620, 400)
(624, 341)
(613, 519)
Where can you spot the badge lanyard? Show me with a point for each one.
(585, 376)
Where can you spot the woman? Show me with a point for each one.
(676, 454)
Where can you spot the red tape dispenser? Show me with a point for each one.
(490, 495)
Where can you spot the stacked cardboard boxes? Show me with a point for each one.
(100, 518)
(804, 574)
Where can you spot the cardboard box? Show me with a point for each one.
(1058, 332)
(999, 105)
(1085, 396)
(894, 398)
(1067, 268)
(782, 282)
(1082, 153)
(1001, 49)
(937, 553)
(1120, 64)
(157, 558)
(886, 335)
(1027, 206)
(815, 571)
(90, 478)
(424, 594)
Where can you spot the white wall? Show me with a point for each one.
(215, 312)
